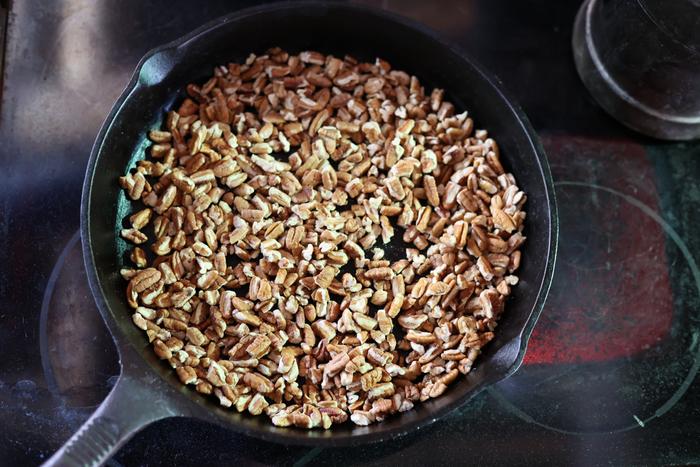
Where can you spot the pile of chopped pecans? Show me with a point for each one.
(268, 197)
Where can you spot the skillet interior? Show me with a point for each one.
(158, 83)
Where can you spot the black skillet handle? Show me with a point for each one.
(132, 405)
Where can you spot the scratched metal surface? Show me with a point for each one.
(610, 376)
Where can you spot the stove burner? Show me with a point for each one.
(77, 352)
(629, 349)
(613, 277)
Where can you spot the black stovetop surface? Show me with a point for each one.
(610, 374)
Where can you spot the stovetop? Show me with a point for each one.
(610, 373)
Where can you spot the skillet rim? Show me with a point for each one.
(373, 433)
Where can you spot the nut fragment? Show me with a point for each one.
(325, 277)
(382, 273)
(134, 236)
(431, 191)
(187, 375)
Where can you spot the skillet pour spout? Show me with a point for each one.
(147, 389)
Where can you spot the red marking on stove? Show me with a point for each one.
(611, 296)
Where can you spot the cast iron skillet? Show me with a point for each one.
(148, 389)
